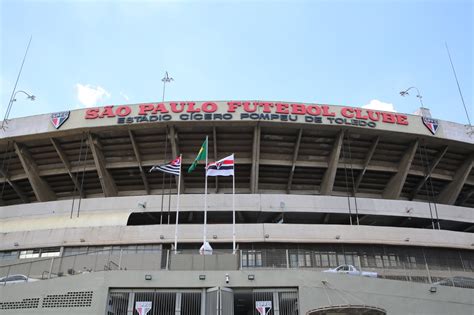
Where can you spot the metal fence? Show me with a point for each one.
(415, 267)
(404, 266)
(91, 261)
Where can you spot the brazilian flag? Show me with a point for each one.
(200, 156)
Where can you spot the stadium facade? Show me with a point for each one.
(316, 187)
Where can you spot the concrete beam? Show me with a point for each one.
(451, 192)
(429, 171)
(363, 218)
(295, 157)
(14, 186)
(389, 168)
(369, 156)
(106, 181)
(139, 161)
(40, 187)
(67, 165)
(465, 197)
(240, 216)
(469, 229)
(255, 159)
(330, 174)
(395, 184)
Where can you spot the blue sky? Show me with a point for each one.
(95, 53)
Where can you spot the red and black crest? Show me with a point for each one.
(57, 119)
(431, 124)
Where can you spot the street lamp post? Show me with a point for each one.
(418, 95)
(10, 105)
(166, 79)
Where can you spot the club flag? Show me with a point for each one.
(172, 167)
(200, 156)
(224, 167)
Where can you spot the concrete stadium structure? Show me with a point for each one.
(317, 186)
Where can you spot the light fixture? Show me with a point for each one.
(407, 239)
(251, 277)
(418, 95)
(162, 237)
(214, 236)
(267, 236)
(202, 277)
(338, 237)
(142, 205)
(433, 289)
(13, 99)
(148, 277)
(15, 244)
(82, 240)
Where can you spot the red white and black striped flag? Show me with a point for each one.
(224, 167)
(173, 167)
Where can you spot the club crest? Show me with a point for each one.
(57, 119)
(431, 124)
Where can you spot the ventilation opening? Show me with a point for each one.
(348, 310)
(25, 303)
(148, 218)
(252, 217)
(71, 299)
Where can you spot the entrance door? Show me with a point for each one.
(219, 301)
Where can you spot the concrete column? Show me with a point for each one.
(451, 192)
(255, 160)
(40, 187)
(330, 174)
(395, 185)
(106, 180)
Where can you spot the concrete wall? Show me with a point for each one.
(316, 290)
(40, 125)
(103, 221)
(287, 233)
(114, 211)
(102, 212)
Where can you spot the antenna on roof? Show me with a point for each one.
(470, 130)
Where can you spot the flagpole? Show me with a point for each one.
(233, 209)
(205, 195)
(177, 206)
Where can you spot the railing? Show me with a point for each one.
(106, 260)
(420, 270)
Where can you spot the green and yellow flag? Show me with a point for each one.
(200, 156)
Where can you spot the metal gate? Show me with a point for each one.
(284, 301)
(164, 302)
(214, 301)
(219, 301)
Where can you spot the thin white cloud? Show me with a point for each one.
(125, 96)
(89, 95)
(379, 105)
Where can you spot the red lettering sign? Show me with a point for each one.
(365, 116)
